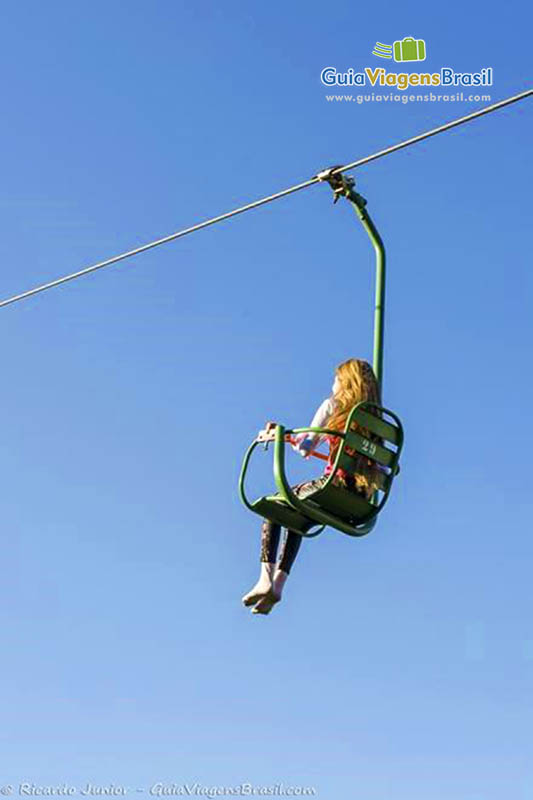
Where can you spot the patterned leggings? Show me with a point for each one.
(271, 533)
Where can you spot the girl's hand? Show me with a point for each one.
(302, 445)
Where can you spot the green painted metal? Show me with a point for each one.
(329, 505)
(359, 204)
(378, 426)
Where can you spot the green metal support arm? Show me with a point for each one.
(358, 204)
(343, 186)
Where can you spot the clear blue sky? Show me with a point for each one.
(399, 666)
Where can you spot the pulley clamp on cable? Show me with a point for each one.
(342, 185)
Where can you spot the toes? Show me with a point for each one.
(261, 609)
(251, 599)
(265, 605)
(253, 596)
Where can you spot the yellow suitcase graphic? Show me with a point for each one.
(410, 49)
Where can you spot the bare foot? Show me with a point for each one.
(257, 593)
(268, 601)
(263, 585)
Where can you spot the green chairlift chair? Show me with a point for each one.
(371, 431)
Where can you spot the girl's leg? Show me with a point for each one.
(263, 601)
(289, 551)
(270, 535)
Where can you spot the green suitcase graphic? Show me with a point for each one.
(410, 49)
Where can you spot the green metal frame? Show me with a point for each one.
(309, 514)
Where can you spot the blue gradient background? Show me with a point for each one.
(398, 666)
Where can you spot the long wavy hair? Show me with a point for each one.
(357, 383)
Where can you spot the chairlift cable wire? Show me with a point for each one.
(263, 201)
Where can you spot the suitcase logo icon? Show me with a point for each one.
(409, 49)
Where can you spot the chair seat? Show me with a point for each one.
(276, 509)
(348, 506)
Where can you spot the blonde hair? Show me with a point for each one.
(357, 383)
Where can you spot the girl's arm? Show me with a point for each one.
(305, 442)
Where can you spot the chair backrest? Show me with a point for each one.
(378, 436)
